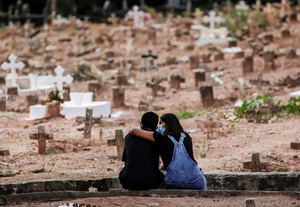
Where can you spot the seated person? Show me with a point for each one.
(141, 159)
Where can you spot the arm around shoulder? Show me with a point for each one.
(148, 135)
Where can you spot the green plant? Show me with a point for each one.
(54, 95)
(49, 152)
(185, 114)
(254, 103)
(293, 106)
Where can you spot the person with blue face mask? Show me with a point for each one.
(176, 150)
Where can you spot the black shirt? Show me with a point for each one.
(166, 147)
(141, 159)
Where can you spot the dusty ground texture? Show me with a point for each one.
(260, 201)
(71, 156)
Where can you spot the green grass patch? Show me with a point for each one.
(51, 152)
(185, 114)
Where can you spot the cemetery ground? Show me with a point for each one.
(230, 143)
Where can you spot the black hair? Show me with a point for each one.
(173, 126)
(149, 120)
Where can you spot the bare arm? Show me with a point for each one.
(143, 134)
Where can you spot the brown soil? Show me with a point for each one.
(71, 156)
(260, 201)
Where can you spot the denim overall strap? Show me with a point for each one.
(182, 136)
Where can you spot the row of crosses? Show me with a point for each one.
(59, 79)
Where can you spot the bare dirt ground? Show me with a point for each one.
(260, 201)
(72, 156)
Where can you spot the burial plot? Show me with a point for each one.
(155, 85)
(207, 96)
(255, 165)
(88, 123)
(41, 136)
(118, 96)
(119, 142)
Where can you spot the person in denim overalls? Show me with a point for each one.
(176, 151)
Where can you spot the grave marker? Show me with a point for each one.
(149, 61)
(269, 60)
(255, 165)
(212, 19)
(247, 64)
(295, 145)
(176, 80)
(3, 103)
(41, 136)
(194, 61)
(88, 123)
(210, 125)
(121, 78)
(13, 66)
(4, 152)
(118, 96)
(199, 76)
(60, 79)
(207, 96)
(155, 85)
(250, 202)
(119, 142)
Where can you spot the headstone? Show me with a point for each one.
(293, 17)
(199, 76)
(207, 96)
(194, 62)
(250, 202)
(60, 79)
(32, 100)
(88, 123)
(176, 80)
(295, 145)
(232, 43)
(118, 96)
(94, 86)
(53, 109)
(291, 53)
(13, 91)
(247, 64)
(285, 32)
(119, 142)
(149, 61)
(2, 103)
(4, 152)
(66, 93)
(13, 66)
(121, 78)
(255, 165)
(41, 136)
(269, 60)
(210, 125)
(154, 84)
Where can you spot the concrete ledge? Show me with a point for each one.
(216, 181)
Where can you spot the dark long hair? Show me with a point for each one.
(173, 126)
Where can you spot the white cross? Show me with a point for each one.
(212, 19)
(60, 79)
(242, 6)
(13, 65)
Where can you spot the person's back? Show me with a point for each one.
(141, 159)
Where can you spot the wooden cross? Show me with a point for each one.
(41, 136)
(154, 85)
(88, 123)
(210, 125)
(175, 80)
(255, 165)
(81, 119)
(149, 60)
(119, 142)
(4, 152)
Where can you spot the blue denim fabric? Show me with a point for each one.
(183, 172)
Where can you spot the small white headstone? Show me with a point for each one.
(212, 19)
(13, 65)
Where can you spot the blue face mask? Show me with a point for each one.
(160, 129)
